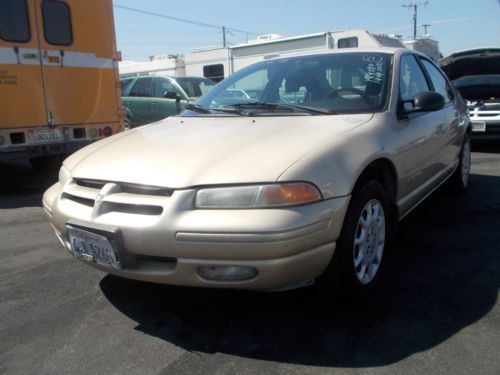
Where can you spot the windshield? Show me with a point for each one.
(354, 82)
(195, 87)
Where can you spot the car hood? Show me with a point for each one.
(475, 73)
(180, 152)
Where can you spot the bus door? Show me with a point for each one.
(22, 101)
(77, 51)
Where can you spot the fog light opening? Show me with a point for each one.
(227, 273)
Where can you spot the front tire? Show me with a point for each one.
(362, 246)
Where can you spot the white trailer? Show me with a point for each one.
(218, 63)
(160, 64)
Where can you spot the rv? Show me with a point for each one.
(59, 80)
(218, 63)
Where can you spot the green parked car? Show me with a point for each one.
(150, 98)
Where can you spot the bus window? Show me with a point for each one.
(57, 23)
(14, 21)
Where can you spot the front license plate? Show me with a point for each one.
(47, 135)
(92, 248)
(479, 127)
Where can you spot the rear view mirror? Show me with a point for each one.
(172, 95)
(427, 101)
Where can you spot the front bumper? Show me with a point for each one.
(289, 246)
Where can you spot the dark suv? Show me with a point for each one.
(150, 98)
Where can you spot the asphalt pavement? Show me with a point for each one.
(436, 311)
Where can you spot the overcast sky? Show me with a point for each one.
(456, 24)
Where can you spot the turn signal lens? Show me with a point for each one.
(258, 196)
(280, 195)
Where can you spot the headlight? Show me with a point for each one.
(258, 196)
(64, 175)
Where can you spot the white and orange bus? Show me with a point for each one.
(59, 81)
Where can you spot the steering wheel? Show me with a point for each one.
(335, 92)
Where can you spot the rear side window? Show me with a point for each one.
(142, 87)
(14, 21)
(57, 23)
(438, 81)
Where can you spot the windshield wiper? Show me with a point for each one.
(197, 108)
(278, 106)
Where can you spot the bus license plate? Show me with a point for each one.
(47, 135)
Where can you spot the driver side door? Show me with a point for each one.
(422, 132)
(162, 107)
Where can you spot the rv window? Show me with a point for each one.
(14, 21)
(142, 87)
(57, 23)
(348, 42)
(214, 72)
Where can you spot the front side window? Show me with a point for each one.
(125, 84)
(162, 85)
(14, 21)
(318, 84)
(57, 23)
(195, 87)
(411, 81)
(142, 87)
(438, 81)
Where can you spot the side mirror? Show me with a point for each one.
(427, 101)
(172, 95)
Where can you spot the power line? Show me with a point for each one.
(223, 28)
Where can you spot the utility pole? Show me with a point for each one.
(224, 36)
(415, 8)
(425, 26)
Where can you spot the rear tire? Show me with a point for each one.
(459, 181)
(362, 246)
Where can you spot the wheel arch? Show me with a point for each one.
(384, 171)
